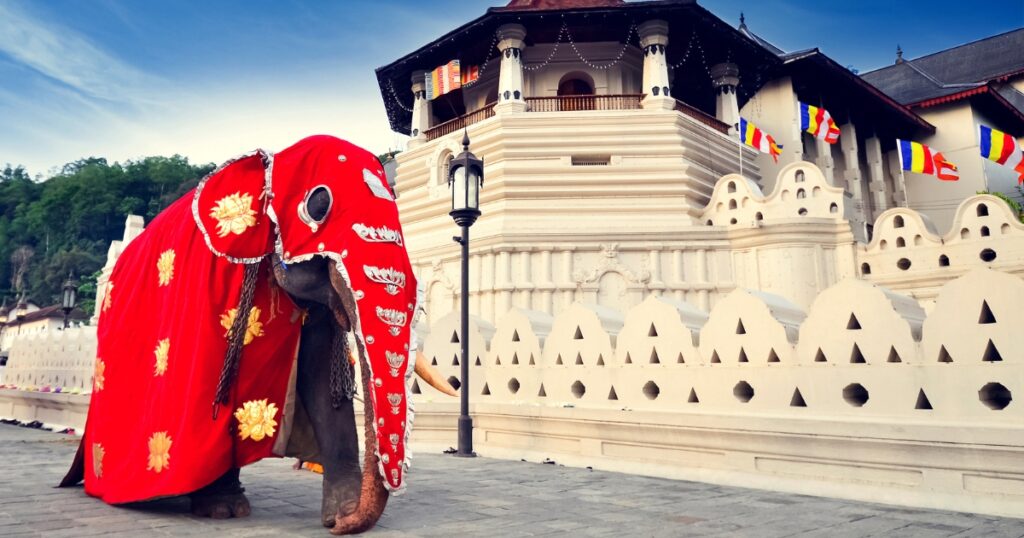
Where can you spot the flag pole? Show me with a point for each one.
(739, 148)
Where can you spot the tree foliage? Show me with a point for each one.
(69, 220)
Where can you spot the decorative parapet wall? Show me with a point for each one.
(860, 350)
(908, 255)
(800, 192)
(53, 361)
(863, 396)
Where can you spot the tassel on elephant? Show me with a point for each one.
(225, 336)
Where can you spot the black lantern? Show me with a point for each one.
(70, 297)
(466, 177)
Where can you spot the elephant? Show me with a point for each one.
(229, 331)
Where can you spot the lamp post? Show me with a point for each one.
(465, 177)
(69, 297)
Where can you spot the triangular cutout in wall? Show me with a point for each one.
(486, 391)
(740, 329)
(532, 362)
(773, 356)
(798, 399)
(693, 396)
(743, 356)
(433, 361)
(680, 359)
(578, 335)
(455, 360)
(515, 358)
(541, 393)
(612, 395)
(477, 363)
(579, 359)
(714, 358)
(558, 360)
(922, 401)
(986, 316)
(654, 357)
(652, 331)
(944, 355)
(820, 356)
(856, 357)
(894, 355)
(629, 360)
(415, 387)
(600, 360)
(455, 337)
(991, 353)
(515, 336)
(853, 324)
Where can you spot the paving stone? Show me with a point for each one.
(460, 497)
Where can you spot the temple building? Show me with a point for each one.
(957, 89)
(614, 170)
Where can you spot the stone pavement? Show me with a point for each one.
(448, 496)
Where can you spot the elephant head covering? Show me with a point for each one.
(193, 318)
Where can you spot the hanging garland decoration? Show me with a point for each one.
(558, 41)
(689, 49)
(564, 33)
(394, 97)
(487, 60)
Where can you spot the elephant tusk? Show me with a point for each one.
(432, 376)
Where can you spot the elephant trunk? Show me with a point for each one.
(372, 495)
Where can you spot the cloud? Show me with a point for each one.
(69, 58)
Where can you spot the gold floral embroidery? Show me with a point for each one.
(256, 420)
(233, 214)
(159, 452)
(97, 375)
(106, 296)
(97, 460)
(254, 328)
(163, 349)
(165, 266)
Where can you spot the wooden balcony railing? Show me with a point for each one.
(564, 103)
(702, 117)
(460, 122)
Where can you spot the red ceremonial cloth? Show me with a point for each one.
(174, 292)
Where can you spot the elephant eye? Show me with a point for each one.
(318, 204)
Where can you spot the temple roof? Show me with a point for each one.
(953, 70)
(822, 81)
(589, 21)
(544, 5)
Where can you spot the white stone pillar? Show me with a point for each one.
(420, 110)
(725, 77)
(510, 79)
(656, 86)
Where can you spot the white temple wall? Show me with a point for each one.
(939, 199)
(845, 398)
(622, 78)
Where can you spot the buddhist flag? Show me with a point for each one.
(819, 123)
(759, 140)
(444, 79)
(470, 75)
(921, 159)
(1002, 148)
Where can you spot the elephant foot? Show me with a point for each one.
(221, 506)
(222, 499)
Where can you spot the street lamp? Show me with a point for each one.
(69, 298)
(465, 177)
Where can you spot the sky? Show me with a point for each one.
(125, 79)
